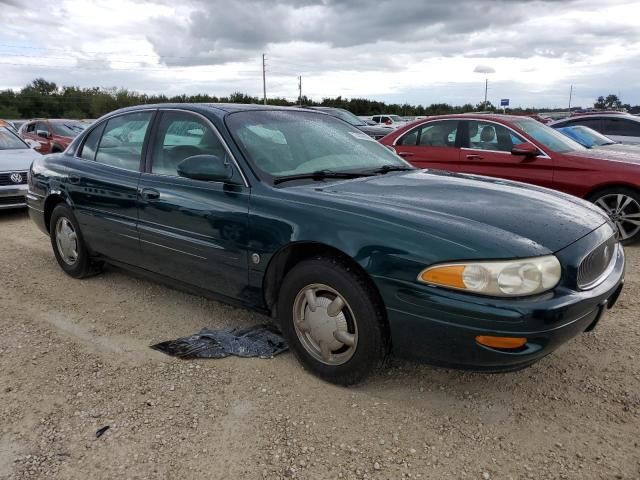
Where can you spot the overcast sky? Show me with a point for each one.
(420, 52)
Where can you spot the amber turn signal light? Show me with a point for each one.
(501, 342)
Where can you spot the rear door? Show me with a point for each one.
(104, 185)
(486, 150)
(431, 145)
(193, 230)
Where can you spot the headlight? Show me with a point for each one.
(510, 278)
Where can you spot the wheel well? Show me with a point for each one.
(612, 186)
(49, 204)
(288, 257)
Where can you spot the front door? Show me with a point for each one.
(193, 230)
(103, 187)
(487, 151)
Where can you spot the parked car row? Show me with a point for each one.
(355, 252)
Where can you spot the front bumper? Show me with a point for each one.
(440, 326)
(13, 196)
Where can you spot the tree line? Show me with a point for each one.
(42, 98)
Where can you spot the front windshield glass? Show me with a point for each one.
(396, 118)
(66, 129)
(9, 141)
(347, 116)
(589, 137)
(280, 143)
(547, 136)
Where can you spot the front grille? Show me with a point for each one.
(595, 265)
(14, 200)
(5, 178)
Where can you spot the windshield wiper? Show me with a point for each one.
(391, 168)
(321, 175)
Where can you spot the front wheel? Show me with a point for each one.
(623, 207)
(332, 320)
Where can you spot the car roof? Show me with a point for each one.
(496, 117)
(219, 109)
(603, 115)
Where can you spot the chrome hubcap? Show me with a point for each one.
(325, 324)
(624, 211)
(67, 241)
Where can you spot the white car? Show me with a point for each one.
(389, 120)
(15, 160)
(621, 127)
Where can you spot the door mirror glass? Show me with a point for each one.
(525, 149)
(43, 133)
(205, 167)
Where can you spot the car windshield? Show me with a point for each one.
(547, 136)
(66, 129)
(9, 141)
(345, 115)
(280, 144)
(586, 136)
(396, 118)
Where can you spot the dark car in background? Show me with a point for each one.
(374, 131)
(620, 127)
(355, 252)
(54, 135)
(522, 149)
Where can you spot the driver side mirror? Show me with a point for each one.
(205, 167)
(42, 133)
(525, 149)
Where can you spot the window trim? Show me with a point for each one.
(147, 160)
(420, 125)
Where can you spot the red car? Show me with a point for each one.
(525, 150)
(54, 135)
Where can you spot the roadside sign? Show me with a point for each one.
(504, 102)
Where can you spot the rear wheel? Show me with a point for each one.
(68, 244)
(623, 207)
(332, 320)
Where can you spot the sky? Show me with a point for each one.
(414, 51)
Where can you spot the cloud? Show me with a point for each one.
(484, 69)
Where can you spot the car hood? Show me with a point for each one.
(486, 214)
(20, 159)
(616, 152)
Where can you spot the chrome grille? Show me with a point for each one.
(5, 178)
(595, 265)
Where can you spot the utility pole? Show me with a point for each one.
(486, 87)
(264, 79)
(300, 89)
(570, 95)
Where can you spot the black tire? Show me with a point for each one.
(628, 232)
(363, 302)
(83, 266)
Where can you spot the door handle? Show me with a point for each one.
(474, 157)
(74, 179)
(406, 154)
(149, 194)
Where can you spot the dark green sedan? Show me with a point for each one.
(354, 252)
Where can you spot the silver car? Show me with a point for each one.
(15, 160)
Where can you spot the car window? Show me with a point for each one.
(492, 136)
(181, 135)
(91, 143)
(594, 123)
(31, 128)
(41, 126)
(121, 143)
(432, 134)
(65, 130)
(375, 119)
(547, 136)
(621, 126)
(10, 141)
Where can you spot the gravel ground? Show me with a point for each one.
(74, 357)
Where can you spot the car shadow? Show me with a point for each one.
(14, 215)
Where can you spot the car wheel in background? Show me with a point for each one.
(332, 320)
(68, 244)
(623, 207)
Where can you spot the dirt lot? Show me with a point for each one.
(74, 357)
